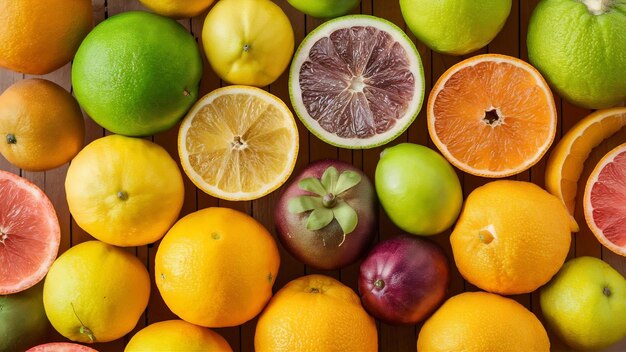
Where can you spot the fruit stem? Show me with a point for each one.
(329, 200)
(485, 235)
(83, 329)
(606, 291)
(11, 138)
(122, 195)
(246, 47)
(598, 7)
(315, 290)
(379, 284)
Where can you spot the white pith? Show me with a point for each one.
(477, 60)
(324, 31)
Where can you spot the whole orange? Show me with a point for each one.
(481, 321)
(41, 125)
(315, 313)
(216, 267)
(38, 37)
(511, 237)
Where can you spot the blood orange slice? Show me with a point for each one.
(492, 115)
(357, 82)
(605, 200)
(29, 234)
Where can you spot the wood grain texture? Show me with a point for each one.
(510, 41)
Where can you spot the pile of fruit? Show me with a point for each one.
(355, 82)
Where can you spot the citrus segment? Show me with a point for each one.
(357, 82)
(566, 161)
(492, 115)
(238, 143)
(605, 200)
(29, 234)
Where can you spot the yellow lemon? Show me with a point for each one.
(248, 41)
(96, 292)
(177, 335)
(177, 8)
(124, 191)
(238, 143)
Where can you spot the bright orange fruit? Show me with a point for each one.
(492, 115)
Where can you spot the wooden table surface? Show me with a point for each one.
(510, 41)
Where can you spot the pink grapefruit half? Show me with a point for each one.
(605, 200)
(29, 234)
(61, 347)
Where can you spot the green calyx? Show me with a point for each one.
(326, 202)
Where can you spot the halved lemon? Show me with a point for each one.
(567, 160)
(492, 115)
(238, 143)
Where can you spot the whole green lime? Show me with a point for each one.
(324, 8)
(137, 73)
(455, 27)
(23, 322)
(585, 304)
(579, 46)
(418, 189)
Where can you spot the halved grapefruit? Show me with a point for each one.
(29, 234)
(492, 115)
(61, 347)
(357, 82)
(605, 200)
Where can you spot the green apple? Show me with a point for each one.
(455, 27)
(418, 189)
(585, 304)
(324, 8)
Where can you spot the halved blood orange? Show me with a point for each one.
(29, 234)
(357, 82)
(492, 115)
(605, 200)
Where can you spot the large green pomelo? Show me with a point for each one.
(580, 48)
(137, 73)
(418, 189)
(23, 321)
(455, 27)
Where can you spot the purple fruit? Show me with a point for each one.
(326, 217)
(404, 279)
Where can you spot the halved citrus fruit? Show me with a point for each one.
(238, 143)
(29, 234)
(357, 82)
(605, 200)
(567, 159)
(492, 115)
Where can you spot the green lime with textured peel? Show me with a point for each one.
(137, 73)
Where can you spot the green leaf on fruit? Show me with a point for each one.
(329, 179)
(319, 218)
(347, 180)
(313, 185)
(302, 204)
(346, 217)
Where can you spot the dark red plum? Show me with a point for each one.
(404, 279)
(327, 216)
